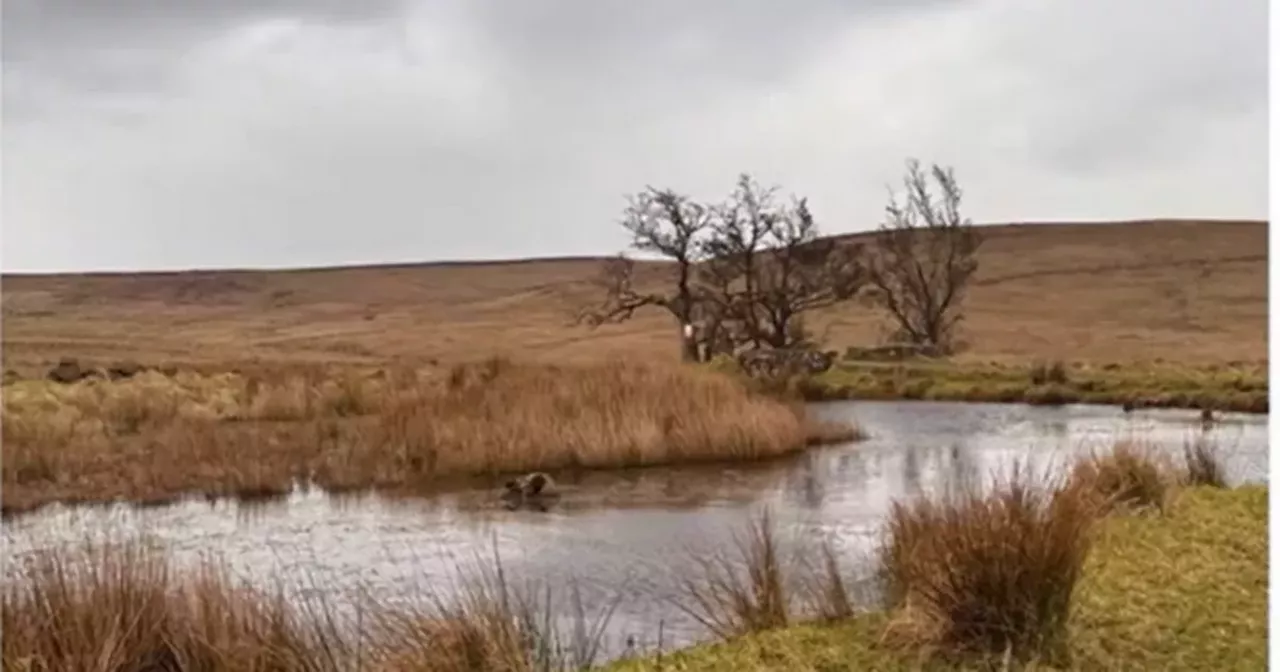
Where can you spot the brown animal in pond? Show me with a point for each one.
(534, 490)
(1206, 417)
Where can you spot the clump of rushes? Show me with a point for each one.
(1130, 476)
(991, 573)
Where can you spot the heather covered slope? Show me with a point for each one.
(1192, 292)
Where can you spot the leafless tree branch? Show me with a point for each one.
(924, 257)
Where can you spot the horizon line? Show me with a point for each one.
(390, 265)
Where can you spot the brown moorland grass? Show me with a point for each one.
(1190, 293)
(121, 608)
(1130, 476)
(126, 608)
(989, 573)
(1137, 477)
(153, 437)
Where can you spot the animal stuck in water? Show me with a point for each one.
(535, 490)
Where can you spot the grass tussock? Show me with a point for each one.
(155, 436)
(988, 573)
(1045, 373)
(1129, 476)
(121, 608)
(1158, 593)
(124, 608)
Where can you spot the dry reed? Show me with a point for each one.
(752, 587)
(124, 608)
(154, 437)
(1127, 477)
(991, 573)
(1202, 465)
(120, 608)
(746, 594)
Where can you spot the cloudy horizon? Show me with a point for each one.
(286, 133)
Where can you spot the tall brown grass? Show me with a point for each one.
(154, 437)
(1203, 465)
(752, 587)
(121, 608)
(1129, 476)
(124, 608)
(744, 594)
(991, 573)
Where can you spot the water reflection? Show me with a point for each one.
(632, 535)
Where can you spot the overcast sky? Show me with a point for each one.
(143, 134)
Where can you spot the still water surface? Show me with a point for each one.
(630, 538)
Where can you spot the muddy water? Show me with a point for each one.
(631, 538)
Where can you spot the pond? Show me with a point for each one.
(631, 537)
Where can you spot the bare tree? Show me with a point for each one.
(804, 272)
(740, 232)
(769, 265)
(671, 225)
(921, 262)
(744, 272)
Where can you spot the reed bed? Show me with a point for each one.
(154, 437)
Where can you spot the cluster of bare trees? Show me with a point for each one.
(746, 271)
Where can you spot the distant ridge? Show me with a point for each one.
(994, 228)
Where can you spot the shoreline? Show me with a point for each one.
(462, 483)
(1242, 389)
(1161, 585)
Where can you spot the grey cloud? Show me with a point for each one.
(129, 47)
(292, 132)
(1120, 85)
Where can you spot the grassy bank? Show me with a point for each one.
(1175, 577)
(1239, 387)
(1184, 591)
(154, 437)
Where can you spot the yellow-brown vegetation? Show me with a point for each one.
(128, 608)
(1192, 293)
(153, 437)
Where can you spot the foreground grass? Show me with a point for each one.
(1183, 591)
(1229, 388)
(1036, 573)
(155, 437)
(125, 608)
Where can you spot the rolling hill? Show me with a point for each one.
(1120, 291)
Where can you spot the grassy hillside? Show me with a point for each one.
(1183, 291)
